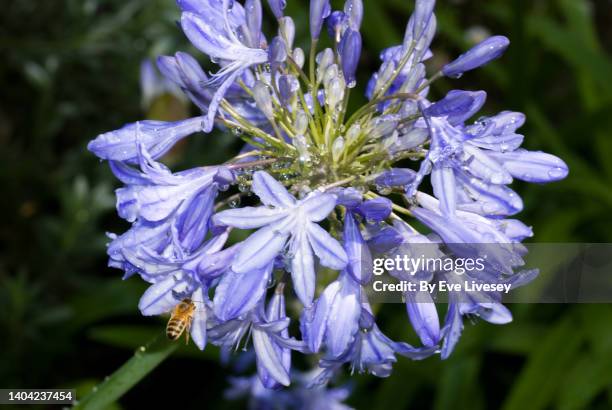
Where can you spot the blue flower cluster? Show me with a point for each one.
(321, 177)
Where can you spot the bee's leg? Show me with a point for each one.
(188, 331)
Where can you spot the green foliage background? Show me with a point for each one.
(69, 71)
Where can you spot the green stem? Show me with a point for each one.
(298, 70)
(252, 164)
(396, 208)
(373, 103)
(145, 359)
(337, 183)
(397, 71)
(311, 62)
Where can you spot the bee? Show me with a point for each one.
(180, 320)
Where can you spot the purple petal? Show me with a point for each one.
(514, 229)
(210, 266)
(268, 358)
(453, 326)
(270, 191)
(485, 166)
(302, 268)
(192, 221)
(314, 319)
(157, 137)
(490, 199)
(451, 232)
(318, 206)
(238, 293)
(500, 143)
(423, 317)
(249, 217)
(358, 253)
(259, 249)
(218, 97)
(495, 313)
(343, 322)
(444, 183)
(328, 249)
(533, 166)
(157, 202)
(127, 174)
(200, 317)
(159, 298)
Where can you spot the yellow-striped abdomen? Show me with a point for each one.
(175, 328)
(180, 319)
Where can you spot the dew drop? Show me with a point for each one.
(556, 173)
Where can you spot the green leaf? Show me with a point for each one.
(518, 337)
(539, 380)
(145, 359)
(107, 299)
(590, 376)
(459, 388)
(572, 48)
(130, 336)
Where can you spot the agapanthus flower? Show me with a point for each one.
(321, 186)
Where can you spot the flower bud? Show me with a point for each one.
(376, 210)
(301, 122)
(331, 72)
(337, 148)
(287, 87)
(350, 51)
(277, 7)
(335, 21)
(319, 10)
(457, 106)
(277, 52)
(324, 59)
(263, 99)
(353, 9)
(298, 57)
(287, 30)
(382, 126)
(353, 132)
(423, 11)
(253, 22)
(479, 55)
(335, 92)
(395, 177)
(300, 144)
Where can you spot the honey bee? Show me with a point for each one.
(180, 320)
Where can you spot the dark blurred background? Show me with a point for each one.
(69, 70)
